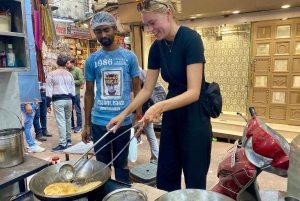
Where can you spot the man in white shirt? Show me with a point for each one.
(61, 91)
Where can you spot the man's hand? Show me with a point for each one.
(37, 105)
(49, 109)
(73, 107)
(28, 108)
(85, 135)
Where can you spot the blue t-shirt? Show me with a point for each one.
(113, 71)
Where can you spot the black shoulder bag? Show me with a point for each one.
(211, 99)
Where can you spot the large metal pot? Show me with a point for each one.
(11, 147)
(49, 176)
(193, 194)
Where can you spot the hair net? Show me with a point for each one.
(103, 18)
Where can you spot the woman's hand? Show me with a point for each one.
(153, 113)
(118, 120)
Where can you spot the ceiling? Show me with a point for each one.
(206, 8)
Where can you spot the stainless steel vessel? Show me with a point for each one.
(11, 147)
(193, 194)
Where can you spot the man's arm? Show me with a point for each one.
(49, 92)
(79, 80)
(88, 104)
(89, 101)
(136, 89)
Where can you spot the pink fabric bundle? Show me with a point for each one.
(37, 30)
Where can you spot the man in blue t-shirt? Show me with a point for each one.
(112, 69)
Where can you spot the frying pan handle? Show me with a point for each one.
(108, 132)
(252, 111)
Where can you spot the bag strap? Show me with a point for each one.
(166, 65)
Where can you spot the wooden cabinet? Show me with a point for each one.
(16, 34)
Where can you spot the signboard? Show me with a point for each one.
(60, 27)
(79, 32)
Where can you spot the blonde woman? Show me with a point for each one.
(185, 142)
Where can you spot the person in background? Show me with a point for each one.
(28, 112)
(127, 46)
(111, 65)
(61, 91)
(78, 80)
(186, 132)
(40, 118)
(148, 129)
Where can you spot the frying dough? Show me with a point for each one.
(60, 189)
(88, 186)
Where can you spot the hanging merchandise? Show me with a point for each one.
(54, 37)
(37, 29)
(48, 37)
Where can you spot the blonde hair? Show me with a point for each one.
(158, 6)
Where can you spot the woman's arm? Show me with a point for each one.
(142, 96)
(194, 81)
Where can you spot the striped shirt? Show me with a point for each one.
(60, 86)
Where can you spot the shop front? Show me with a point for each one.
(71, 41)
(229, 44)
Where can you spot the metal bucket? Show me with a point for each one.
(11, 147)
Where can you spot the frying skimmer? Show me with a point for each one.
(67, 171)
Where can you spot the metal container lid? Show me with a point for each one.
(144, 173)
(9, 132)
(126, 194)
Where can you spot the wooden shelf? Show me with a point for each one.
(15, 34)
(13, 69)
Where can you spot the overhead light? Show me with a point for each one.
(284, 18)
(193, 17)
(285, 6)
(62, 20)
(236, 12)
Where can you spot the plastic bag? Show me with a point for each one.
(132, 156)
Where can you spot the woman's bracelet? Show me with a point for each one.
(138, 116)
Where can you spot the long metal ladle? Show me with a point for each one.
(67, 171)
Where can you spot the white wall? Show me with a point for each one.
(9, 100)
(71, 8)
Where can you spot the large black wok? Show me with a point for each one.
(49, 176)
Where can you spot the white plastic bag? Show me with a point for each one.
(132, 156)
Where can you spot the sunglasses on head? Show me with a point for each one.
(145, 4)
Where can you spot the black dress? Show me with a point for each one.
(186, 133)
